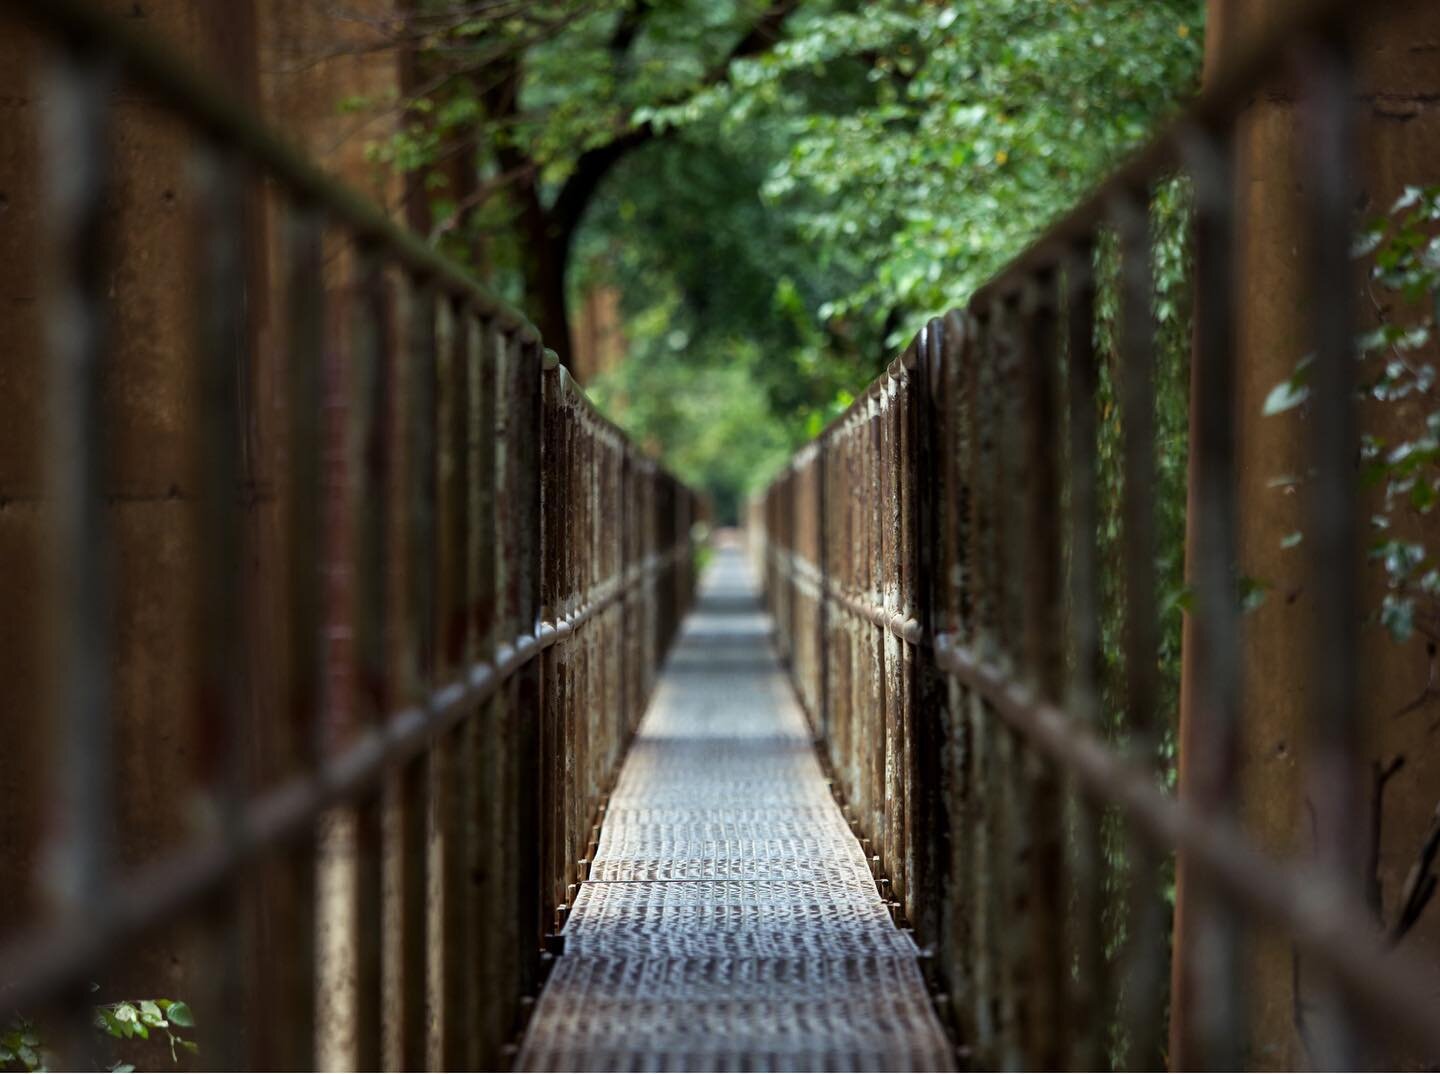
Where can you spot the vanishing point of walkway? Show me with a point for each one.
(730, 922)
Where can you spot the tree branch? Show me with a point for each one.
(761, 38)
(479, 196)
(595, 164)
(627, 29)
(1420, 884)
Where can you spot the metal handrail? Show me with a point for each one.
(226, 121)
(912, 553)
(573, 547)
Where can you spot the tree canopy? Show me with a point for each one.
(781, 192)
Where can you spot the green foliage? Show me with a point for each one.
(1172, 258)
(813, 203)
(1403, 250)
(1171, 309)
(903, 153)
(23, 1047)
(925, 144)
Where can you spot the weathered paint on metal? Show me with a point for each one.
(456, 516)
(1002, 598)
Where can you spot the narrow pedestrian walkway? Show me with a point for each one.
(730, 922)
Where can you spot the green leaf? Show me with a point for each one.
(1397, 613)
(179, 1013)
(1409, 198)
(1290, 540)
(1423, 497)
(1252, 593)
(1285, 396)
(1367, 241)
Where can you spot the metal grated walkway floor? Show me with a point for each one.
(730, 922)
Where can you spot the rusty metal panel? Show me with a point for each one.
(959, 511)
(364, 851)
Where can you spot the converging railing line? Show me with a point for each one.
(932, 565)
(477, 577)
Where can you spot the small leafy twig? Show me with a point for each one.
(23, 1043)
(1420, 882)
(1381, 775)
(136, 1018)
(1405, 254)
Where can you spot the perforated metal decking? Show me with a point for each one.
(730, 921)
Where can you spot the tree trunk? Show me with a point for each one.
(545, 260)
(544, 236)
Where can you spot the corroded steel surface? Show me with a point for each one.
(730, 921)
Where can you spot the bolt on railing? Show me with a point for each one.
(474, 580)
(932, 566)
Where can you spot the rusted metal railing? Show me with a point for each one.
(931, 562)
(477, 578)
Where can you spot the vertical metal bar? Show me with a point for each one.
(929, 817)
(822, 594)
(469, 1040)
(77, 90)
(1335, 731)
(1145, 971)
(523, 450)
(842, 581)
(572, 549)
(223, 356)
(619, 521)
(575, 712)
(515, 911)
(892, 793)
(395, 681)
(372, 370)
(294, 986)
(1207, 1012)
(955, 443)
(981, 378)
(1044, 669)
(875, 706)
(518, 865)
(492, 1006)
(1012, 843)
(1005, 353)
(335, 831)
(424, 443)
(415, 382)
(907, 554)
(1089, 985)
(553, 489)
(591, 701)
(453, 929)
(626, 616)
